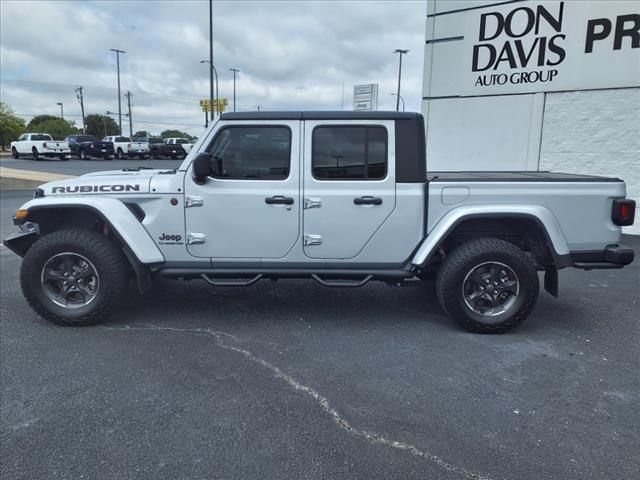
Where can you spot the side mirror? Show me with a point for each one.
(201, 167)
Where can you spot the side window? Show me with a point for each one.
(250, 153)
(349, 153)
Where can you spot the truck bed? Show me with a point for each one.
(515, 177)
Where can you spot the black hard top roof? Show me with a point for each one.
(320, 115)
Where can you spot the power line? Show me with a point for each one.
(147, 122)
(106, 89)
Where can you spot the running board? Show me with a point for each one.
(327, 277)
(341, 283)
(231, 283)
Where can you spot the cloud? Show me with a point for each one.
(292, 55)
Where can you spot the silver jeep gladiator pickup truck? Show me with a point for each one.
(343, 198)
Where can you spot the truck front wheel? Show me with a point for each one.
(487, 285)
(73, 277)
(14, 153)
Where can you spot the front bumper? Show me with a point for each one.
(19, 243)
(613, 256)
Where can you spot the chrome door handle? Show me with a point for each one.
(278, 200)
(367, 200)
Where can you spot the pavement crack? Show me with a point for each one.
(320, 399)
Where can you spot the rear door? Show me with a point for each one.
(349, 185)
(250, 205)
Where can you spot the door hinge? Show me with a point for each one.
(312, 240)
(312, 202)
(196, 238)
(193, 202)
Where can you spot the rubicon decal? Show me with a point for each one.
(96, 188)
(170, 239)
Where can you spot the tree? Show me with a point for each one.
(175, 133)
(101, 125)
(11, 126)
(57, 127)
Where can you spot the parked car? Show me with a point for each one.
(342, 198)
(125, 148)
(39, 145)
(169, 147)
(156, 147)
(87, 146)
(178, 147)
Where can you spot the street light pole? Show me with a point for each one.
(118, 52)
(234, 70)
(61, 110)
(395, 94)
(213, 72)
(401, 52)
(211, 59)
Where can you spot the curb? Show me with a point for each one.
(15, 179)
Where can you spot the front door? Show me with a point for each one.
(249, 206)
(349, 185)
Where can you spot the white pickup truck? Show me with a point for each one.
(38, 145)
(125, 148)
(342, 198)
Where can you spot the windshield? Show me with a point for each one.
(155, 140)
(85, 138)
(182, 140)
(123, 139)
(41, 137)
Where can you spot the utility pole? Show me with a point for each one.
(401, 52)
(234, 70)
(212, 73)
(81, 100)
(61, 110)
(128, 95)
(118, 52)
(211, 58)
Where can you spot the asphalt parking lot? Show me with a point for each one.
(291, 380)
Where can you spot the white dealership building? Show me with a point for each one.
(534, 85)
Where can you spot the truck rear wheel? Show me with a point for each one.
(487, 285)
(73, 277)
(34, 151)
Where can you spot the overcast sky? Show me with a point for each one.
(291, 54)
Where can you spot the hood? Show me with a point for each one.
(103, 183)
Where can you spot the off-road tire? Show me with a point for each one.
(83, 155)
(100, 251)
(456, 266)
(35, 154)
(120, 154)
(14, 153)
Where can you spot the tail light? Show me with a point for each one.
(93, 145)
(128, 145)
(624, 212)
(44, 144)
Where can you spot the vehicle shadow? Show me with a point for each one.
(284, 301)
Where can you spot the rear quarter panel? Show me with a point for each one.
(582, 210)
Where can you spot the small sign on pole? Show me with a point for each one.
(365, 97)
(219, 106)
